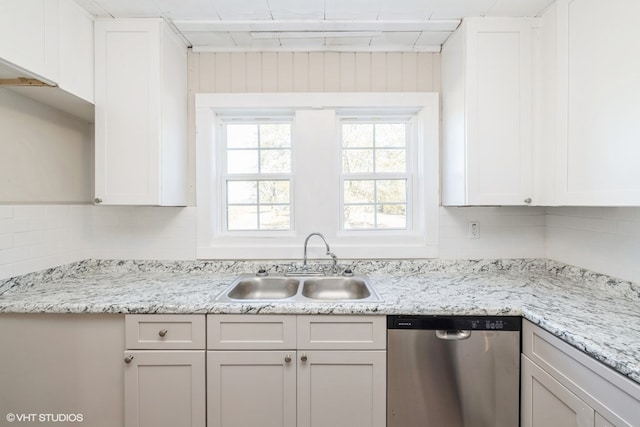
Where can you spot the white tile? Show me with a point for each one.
(6, 212)
(28, 211)
(28, 238)
(14, 225)
(6, 241)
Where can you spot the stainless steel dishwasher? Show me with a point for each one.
(453, 371)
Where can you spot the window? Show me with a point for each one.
(375, 175)
(257, 178)
(360, 168)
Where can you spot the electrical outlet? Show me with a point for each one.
(474, 230)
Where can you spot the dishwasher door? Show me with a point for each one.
(453, 371)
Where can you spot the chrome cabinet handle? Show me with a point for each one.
(452, 335)
(97, 200)
(162, 332)
(128, 359)
(303, 358)
(528, 200)
(287, 358)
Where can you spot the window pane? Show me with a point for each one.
(244, 192)
(357, 135)
(242, 136)
(275, 161)
(359, 217)
(392, 191)
(274, 218)
(242, 161)
(274, 192)
(391, 160)
(359, 191)
(392, 216)
(357, 161)
(242, 217)
(275, 135)
(391, 135)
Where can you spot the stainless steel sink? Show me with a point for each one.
(249, 287)
(336, 288)
(264, 288)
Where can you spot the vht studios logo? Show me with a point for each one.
(44, 418)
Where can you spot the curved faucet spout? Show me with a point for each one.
(334, 258)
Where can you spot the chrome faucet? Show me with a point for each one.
(334, 258)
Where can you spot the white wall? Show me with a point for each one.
(45, 155)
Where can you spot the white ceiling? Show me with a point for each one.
(314, 25)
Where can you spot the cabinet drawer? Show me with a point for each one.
(166, 332)
(251, 332)
(342, 332)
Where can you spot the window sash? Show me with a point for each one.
(407, 175)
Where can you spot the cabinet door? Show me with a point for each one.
(251, 388)
(29, 36)
(487, 113)
(598, 103)
(499, 111)
(140, 97)
(547, 403)
(165, 389)
(341, 388)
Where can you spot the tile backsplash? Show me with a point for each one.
(34, 237)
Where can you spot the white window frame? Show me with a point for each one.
(411, 160)
(221, 155)
(319, 203)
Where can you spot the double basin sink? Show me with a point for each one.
(253, 288)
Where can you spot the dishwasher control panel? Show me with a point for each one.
(473, 323)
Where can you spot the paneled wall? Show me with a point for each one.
(314, 72)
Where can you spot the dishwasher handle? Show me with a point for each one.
(453, 334)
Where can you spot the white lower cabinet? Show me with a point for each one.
(563, 387)
(164, 388)
(301, 381)
(549, 403)
(251, 388)
(164, 375)
(341, 388)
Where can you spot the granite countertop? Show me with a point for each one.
(595, 313)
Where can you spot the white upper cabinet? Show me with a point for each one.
(76, 50)
(487, 113)
(597, 105)
(29, 36)
(141, 113)
(50, 41)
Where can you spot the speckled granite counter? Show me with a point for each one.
(593, 312)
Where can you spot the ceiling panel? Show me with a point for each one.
(130, 8)
(392, 38)
(210, 39)
(518, 7)
(242, 9)
(432, 38)
(294, 9)
(451, 9)
(406, 9)
(228, 24)
(352, 9)
(187, 9)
